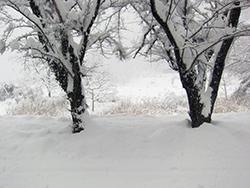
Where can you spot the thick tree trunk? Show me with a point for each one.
(67, 68)
(77, 104)
(195, 107)
(76, 95)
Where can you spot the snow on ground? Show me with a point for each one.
(139, 78)
(125, 151)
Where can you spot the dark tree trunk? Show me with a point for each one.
(193, 92)
(221, 58)
(76, 95)
(77, 104)
(195, 107)
(218, 71)
(194, 99)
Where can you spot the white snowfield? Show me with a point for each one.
(125, 151)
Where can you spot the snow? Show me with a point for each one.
(70, 84)
(62, 9)
(206, 100)
(73, 15)
(32, 17)
(14, 45)
(138, 78)
(125, 151)
(161, 9)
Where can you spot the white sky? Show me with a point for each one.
(10, 68)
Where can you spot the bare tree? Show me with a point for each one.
(61, 33)
(195, 38)
(38, 73)
(99, 87)
(239, 63)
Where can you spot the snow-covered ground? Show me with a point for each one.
(139, 78)
(125, 151)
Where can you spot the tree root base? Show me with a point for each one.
(77, 129)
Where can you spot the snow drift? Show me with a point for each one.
(125, 151)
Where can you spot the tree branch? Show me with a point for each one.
(16, 8)
(57, 11)
(169, 35)
(87, 32)
(48, 55)
(143, 41)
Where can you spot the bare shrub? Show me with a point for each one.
(44, 106)
(168, 104)
(238, 102)
(172, 104)
(151, 106)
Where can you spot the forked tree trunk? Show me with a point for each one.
(195, 107)
(201, 103)
(64, 58)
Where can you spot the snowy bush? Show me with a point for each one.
(19, 92)
(6, 91)
(31, 100)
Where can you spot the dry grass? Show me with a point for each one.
(171, 104)
(150, 106)
(49, 107)
(238, 102)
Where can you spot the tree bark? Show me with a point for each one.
(77, 105)
(195, 107)
(194, 99)
(76, 96)
(218, 71)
